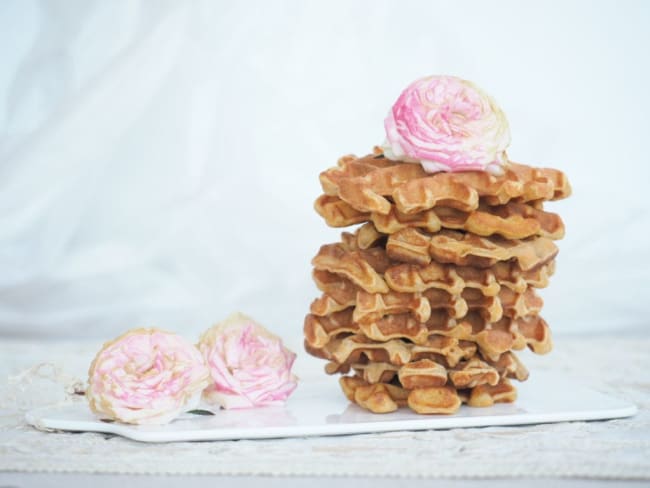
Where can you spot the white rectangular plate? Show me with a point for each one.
(318, 407)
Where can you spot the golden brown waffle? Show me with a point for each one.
(426, 373)
(436, 372)
(463, 367)
(338, 213)
(422, 373)
(351, 166)
(339, 293)
(480, 371)
(492, 308)
(495, 338)
(336, 337)
(378, 398)
(358, 349)
(471, 250)
(368, 236)
(513, 220)
(319, 330)
(434, 400)
(372, 307)
(520, 182)
(388, 397)
(455, 279)
(354, 265)
(410, 245)
(365, 183)
(517, 305)
(488, 395)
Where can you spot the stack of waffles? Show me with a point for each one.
(426, 301)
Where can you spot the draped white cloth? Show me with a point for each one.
(159, 160)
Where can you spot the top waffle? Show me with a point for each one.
(368, 184)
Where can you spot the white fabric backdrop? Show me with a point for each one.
(159, 160)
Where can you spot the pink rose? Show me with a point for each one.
(250, 367)
(146, 376)
(447, 124)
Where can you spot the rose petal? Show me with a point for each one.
(248, 365)
(146, 376)
(447, 124)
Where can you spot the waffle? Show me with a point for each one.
(388, 397)
(439, 400)
(488, 395)
(378, 398)
(358, 349)
(430, 372)
(513, 220)
(372, 307)
(337, 337)
(483, 252)
(357, 266)
(322, 331)
(455, 279)
(367, 236)
(495, 338)
(444, 286)
(410, 245)
(520, 182)
(365, 183)
(351, 166)
(341, 274)
(406, 278)
(339, 293)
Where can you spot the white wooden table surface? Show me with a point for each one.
(483, 457)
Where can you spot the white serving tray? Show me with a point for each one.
(318, 407)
